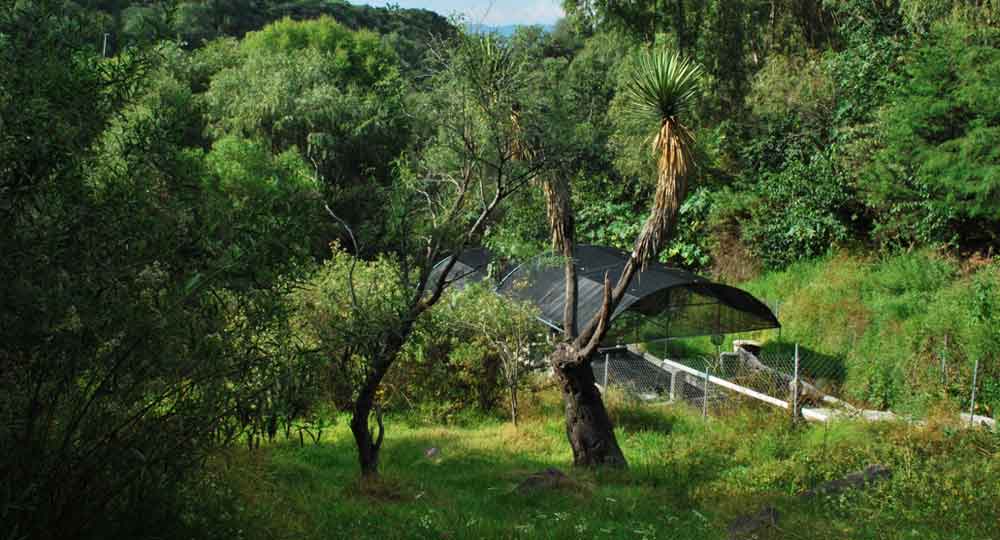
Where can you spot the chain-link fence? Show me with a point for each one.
(981, 397)
(789, 378)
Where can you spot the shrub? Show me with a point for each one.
(138, 306)
(798, 212)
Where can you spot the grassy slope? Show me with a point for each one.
(889, 321)
(688, 479)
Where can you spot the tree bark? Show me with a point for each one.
(513, 402)
(588, 427)
(368, 444)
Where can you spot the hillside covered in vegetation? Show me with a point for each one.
(222, 227)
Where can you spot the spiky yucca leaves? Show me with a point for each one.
(662, 87)
(492, 66)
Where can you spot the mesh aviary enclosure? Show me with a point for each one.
(662, 302)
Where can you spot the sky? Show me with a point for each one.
(492, 13)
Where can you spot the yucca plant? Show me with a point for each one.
(662, 87)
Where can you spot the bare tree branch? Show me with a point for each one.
(354, 260)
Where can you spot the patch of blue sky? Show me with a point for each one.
(486, 12)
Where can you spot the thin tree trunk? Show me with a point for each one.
(572, 298)
(368, 445)
(680, 26)
(588, 427)
(492, 372)
(513, 404)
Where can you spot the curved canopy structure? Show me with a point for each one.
(662, 302)
(472, 266)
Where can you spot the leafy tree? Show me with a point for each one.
(141, 296)
(798, 213)
(439, 205)
(509, 329)
(919, 16)
(331, 94)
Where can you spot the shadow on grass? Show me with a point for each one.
(465, 491)
(638, 417)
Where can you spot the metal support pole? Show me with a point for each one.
(704, 394)
(795, 387)
(972, 406)
(104, 49)
(607, 365)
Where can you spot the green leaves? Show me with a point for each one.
(798, 212)
(663, 84)
(937, 177)
(359, 57)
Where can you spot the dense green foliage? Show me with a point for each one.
(174, 174)
(937, 175)
(196, 22)
(143, 282)
(332, 95)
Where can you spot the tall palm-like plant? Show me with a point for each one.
(663, 86)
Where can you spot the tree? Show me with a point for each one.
(936, 177)
(332, 94)
(142, 284)
(660, 90)
(439, 205)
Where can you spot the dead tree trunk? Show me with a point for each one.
(588, 427)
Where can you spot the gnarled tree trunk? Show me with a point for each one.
(368, 444)
(588, 427)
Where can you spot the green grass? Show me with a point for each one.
(688, 478)
(886, 323)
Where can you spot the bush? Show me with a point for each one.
(453, 360)
(473, 350)
(796, 213)
(139, 309)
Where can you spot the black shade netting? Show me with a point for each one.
(661, 302)
(472, 266)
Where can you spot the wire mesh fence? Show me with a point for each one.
(805, 383)
(728, 375)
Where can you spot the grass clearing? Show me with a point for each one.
(688, 478)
